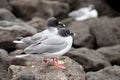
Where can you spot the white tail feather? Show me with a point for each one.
(21, 56)
(18, 42)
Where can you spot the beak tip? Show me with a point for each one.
(63, 25)
(74, 34)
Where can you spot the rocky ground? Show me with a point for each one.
(95, 54)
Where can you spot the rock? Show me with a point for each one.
(65, 1)
(26, 76)
(67, 21)
(38, 23)
(37, 8)
(106, 31)
(112, 54)
(10, 30)
(113, 4)
(42, 71)
(108, 73)
(16, 52)
(83, 36)
(74, 4)
(29, 9)
(5, 74)
(6, 15)
(91, 60)
(60, 9)
(3, 54)
(5, 4)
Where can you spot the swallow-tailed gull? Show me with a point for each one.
(52, 47)
(84, 13)
(52, 29)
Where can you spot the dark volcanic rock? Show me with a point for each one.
(38, 23)
(83, 37)
(5, 74)
(26, 76)
(109, 73)
(27, 9)
(10, 30)
(91, 60)
(112, 54)
(43, 71)
(17, 52)
(106, 31)
(60, 9)
(5, 4)
(3, 54)
(6, 15)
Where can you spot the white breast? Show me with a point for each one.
(69, 40)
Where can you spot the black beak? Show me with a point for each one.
(72, 34)
(63, 25)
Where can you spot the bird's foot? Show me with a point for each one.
(60, 66)
(56, 63)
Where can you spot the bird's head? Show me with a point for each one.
(53, 22)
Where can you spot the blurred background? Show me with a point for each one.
(96, 46)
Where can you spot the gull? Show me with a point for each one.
(52, 47)
(52, 29)
(84, 13)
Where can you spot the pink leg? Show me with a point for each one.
(42, 60)
(55, 61)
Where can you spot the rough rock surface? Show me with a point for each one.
(108, 73)
(41, 71)
(5, 74)
(83, 38)
(17, 52)
(106, 31)
(6, 15)
(10, 30)
(91, 60)
(38, 8)
(112, 54)
(38, 23)
(5, 4)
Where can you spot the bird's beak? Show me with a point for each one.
(63, 25)
(72, 34)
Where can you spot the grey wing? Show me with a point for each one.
(32, 39)
(27, 40)
(48, 46)
(40, 36)
(53, 41)
(37, 36)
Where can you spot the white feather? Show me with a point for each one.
(83, 14)
(21, 56)
(18, 41)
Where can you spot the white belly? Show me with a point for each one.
(62, 52)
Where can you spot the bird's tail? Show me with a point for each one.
(15, 41)
(21, 56)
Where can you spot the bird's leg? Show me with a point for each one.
(42, 60)
(55, 62)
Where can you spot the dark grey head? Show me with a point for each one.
(53, 22)
(64, 32)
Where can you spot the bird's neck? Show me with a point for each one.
(53, 30)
